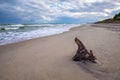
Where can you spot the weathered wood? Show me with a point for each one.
(82, 53)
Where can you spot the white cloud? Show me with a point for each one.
(19, 9)
(46, 18)
(92, 1)
(111, 10)
(84, 14)
(116, 3)
(49, 10)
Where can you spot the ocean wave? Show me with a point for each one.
(15, 34)
(17, 25)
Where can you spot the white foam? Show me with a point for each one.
(14, 28)
(12, 37)
(18, 25)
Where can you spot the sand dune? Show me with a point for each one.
(50, 58)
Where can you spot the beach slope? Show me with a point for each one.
(50, 58)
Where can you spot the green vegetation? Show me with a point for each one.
(115, 19)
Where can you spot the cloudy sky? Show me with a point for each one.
(57, 11)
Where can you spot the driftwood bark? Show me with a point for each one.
(82, 53)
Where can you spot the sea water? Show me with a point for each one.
(11, 33)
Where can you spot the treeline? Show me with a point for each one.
(115, 19)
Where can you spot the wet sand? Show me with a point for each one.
(50, 58)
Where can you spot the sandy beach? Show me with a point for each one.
(50, 58)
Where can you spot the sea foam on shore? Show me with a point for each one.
(18, 32)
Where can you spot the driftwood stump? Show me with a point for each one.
(82, 53)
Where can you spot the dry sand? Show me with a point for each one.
(50, 58)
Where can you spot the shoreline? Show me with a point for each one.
(50, 57)
(40, 37)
